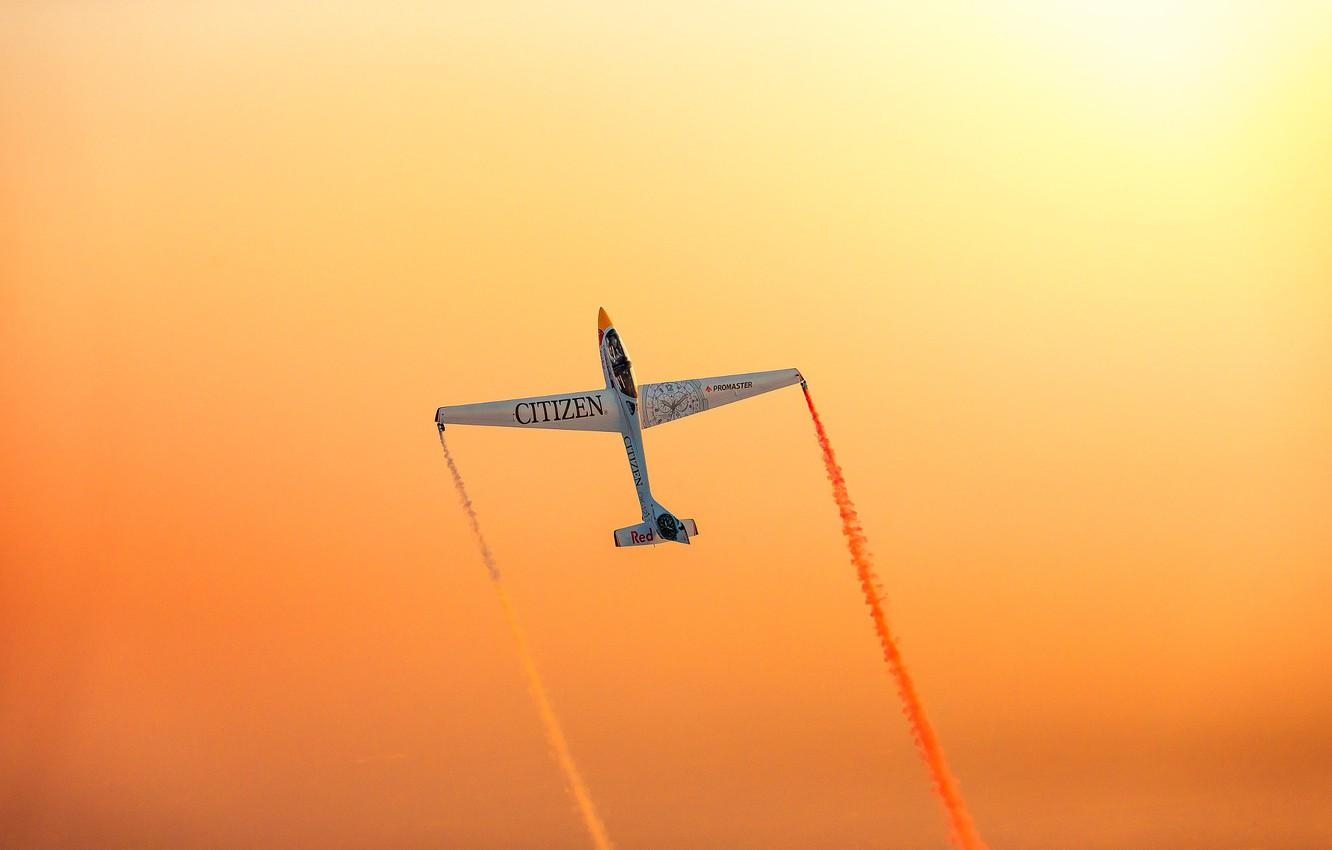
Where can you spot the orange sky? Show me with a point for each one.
(1060, 282)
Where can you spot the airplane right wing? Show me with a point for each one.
(671, 400)
(594, 410)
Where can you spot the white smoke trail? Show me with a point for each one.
(559, 746)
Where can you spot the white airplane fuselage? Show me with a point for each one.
(618, 371)
(631, 432)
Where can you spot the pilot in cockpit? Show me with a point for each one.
(620, 367)
(613, 346)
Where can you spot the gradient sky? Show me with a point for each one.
(1061, 282)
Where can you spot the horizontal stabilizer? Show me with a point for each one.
(645, 534)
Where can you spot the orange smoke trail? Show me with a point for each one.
(554, 734)
(961, 830)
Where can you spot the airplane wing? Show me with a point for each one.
(671, 400)
(593, 410)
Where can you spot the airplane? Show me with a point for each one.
(625, 408)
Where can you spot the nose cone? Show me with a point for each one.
(603, 321)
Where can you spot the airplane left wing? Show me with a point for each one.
(671, 400)
(594, 410)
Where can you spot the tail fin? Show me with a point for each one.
(666, 529)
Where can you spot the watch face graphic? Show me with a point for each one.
(668, 526)
(671, 400)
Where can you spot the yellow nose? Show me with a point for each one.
(603, 321)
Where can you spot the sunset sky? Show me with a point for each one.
(1060, 280)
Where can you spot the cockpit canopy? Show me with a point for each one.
(624, 377)
(621, 370)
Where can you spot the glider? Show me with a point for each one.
(625, 408)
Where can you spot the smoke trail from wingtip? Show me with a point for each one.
(960, 827)
(486, 556)
(550, 723)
